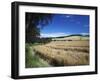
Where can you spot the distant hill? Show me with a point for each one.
(72, 37)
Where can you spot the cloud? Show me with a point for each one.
(58, 34)
(68, 16)
(53, 34)
(85, 33)
(78, 22)
(86, 25)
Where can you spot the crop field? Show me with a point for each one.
(56, 39)
(64, 53)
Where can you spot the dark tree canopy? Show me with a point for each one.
(34, 23)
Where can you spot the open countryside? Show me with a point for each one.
(59, 50)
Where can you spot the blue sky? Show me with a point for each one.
(66, 24)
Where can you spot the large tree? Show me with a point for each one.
(34, 23)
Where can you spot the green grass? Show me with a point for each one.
(33, 60)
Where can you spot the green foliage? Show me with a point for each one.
(34, 23)
(33, 60)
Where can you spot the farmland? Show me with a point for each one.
(63, 53)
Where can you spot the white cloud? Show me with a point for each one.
(78, 22)
(85, 33)
(58, 34)
(86, 25)
(53, 34)
(68, 16)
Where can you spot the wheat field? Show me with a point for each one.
(64, 53)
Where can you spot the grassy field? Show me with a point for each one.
(33, 60)
(59, 53)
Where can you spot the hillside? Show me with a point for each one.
(72, 37)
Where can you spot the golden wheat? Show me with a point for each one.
(63, 54)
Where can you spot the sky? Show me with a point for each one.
(66, 24)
